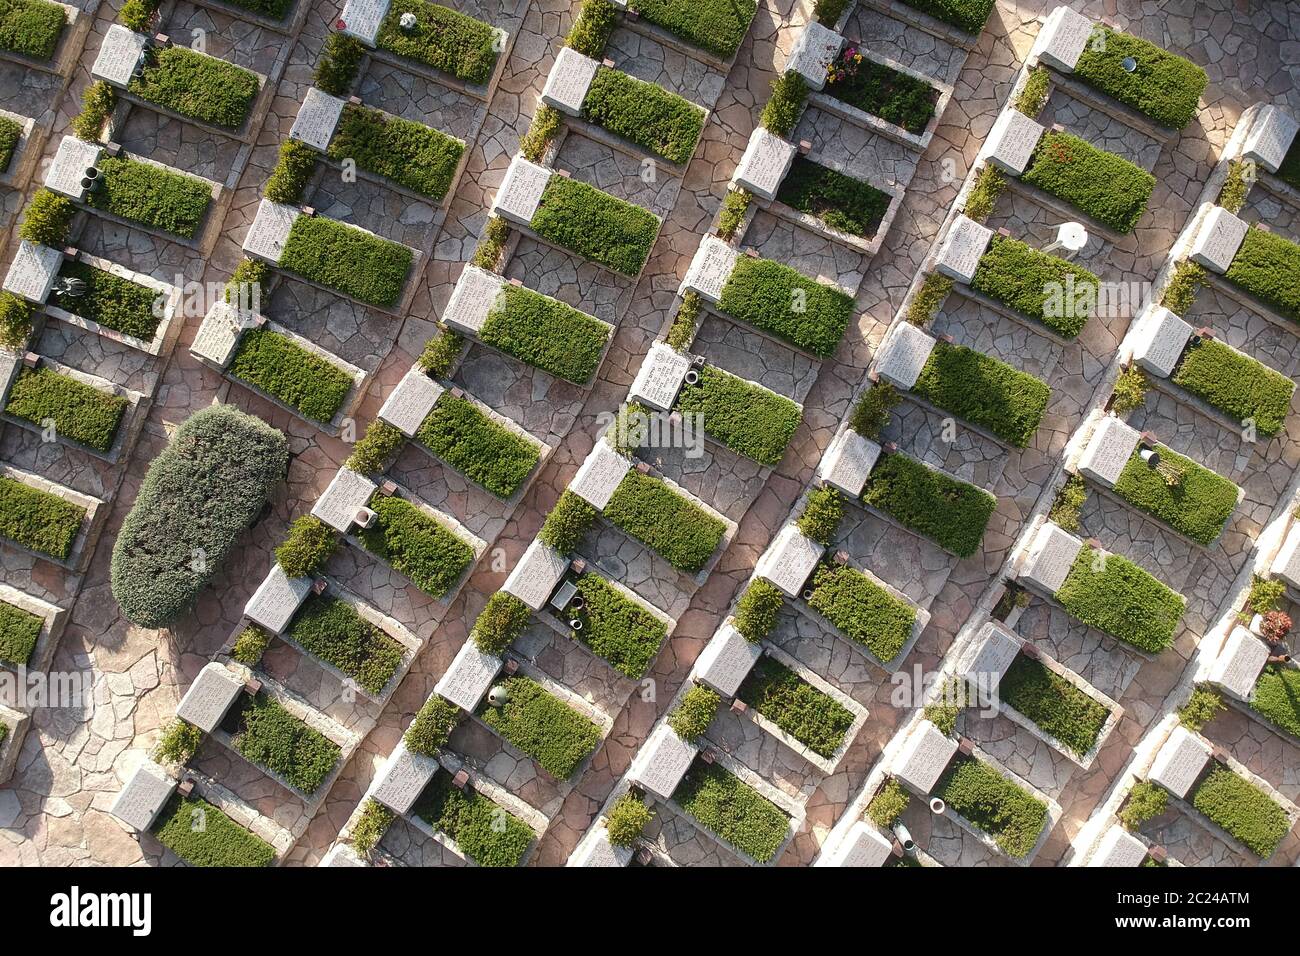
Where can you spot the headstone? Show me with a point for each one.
(862, 846)
(710, 268)
(1108, 450)
(1063, 38)
(924, 757)
(1159, 338)
(536, 575)
(209, 697)
(596, 850)
(814, 50)
(468, 678)
(69, 166)
(599, 475)
(218, 334)
(33, 271)
(1287, 563)
(317, 118)
(472, 299)
(962, 248)
(1270, 137)
(993, 654)
(521, 191)
(1239, 664)
(660, 377)
(1180, 761)
(570, 78)
(143, 797)
(341, 854)
(848, 462)
(662, 761)
(726, 660)
(118, 56)
(903, 355)
(766, 161)
(347, 493)
(1011, 142)
(403, 778)
(270, 230)
(361, 19)
(1117, 846)
(1049, 557)
(1217, 241)
(790, 560)
(409, 404)
(276, 600)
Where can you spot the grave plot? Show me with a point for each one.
(48, 520)
(44, 35)
(13, 730)
(1252, 676)
(712, 31)
(282, 16)
(870, 834)
(30, 628)
(20, 147)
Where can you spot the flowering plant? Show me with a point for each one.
(844, 66)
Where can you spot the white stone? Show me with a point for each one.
(74, 156)
(924, 757)
(1270, 137)
(814, 50)
(595, 850)
(1063, 38)
(962, 248)
(475, 293)
(662, 761)
(848, 462)
(362, 18)
(903, 355)
(118, 55)
(1239, 664)
(1012, 140)
(209, 697)
(1217, 241)
(277, 599)
(992, 655)
(143, 797)
(1109, 448)
(536, 575)
(862, 846)
(270, 230)
(1118, 847)
(33, 271)
(599, 475)
(468, 678)
(403, 778)
(347, 492)
(766, 161)
(317, 118)
(660, 377)
(790, 560)
(521, 191)
(1049, 557)
(1159, 338)
(341, 854)
(567, 83)
(1287, 563)
(710, 268)
(218, 334)
(409, 404)
(1180, 761)
(726, 660)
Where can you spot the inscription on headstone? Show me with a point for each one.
(69, 166)
(660, 377)
(270, 230)
(317, 118)
(472, 299)
(347, 493)
(33, 271)
(277, 599)
(209, 697)
(962, 248)
(1111, 446)
(766, 161)
(710, 268)
(726, 660)
(663, 761)
(1180, 761)
(567, 83)
(118, 56)
(536, 575)
(521, 191)
(409, 404)
(924, 757)
(362, 18)
(789, 560)
(468, 678)
(599, 475)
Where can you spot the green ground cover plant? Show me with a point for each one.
(19, 631)
(1119, 598)
(1005, 811)
(196, 85)
(31, 27)
(778, 300)
(282, 368)
(413, 155)
(542, 726)
(1164, 86)
(1060, 709)
(1268, 267)
(616, 628)
(486, 833)
(416, 545)
(862, 609)
(1198, 505)
(334, 631)
(546, 333)
(218, 841)
(109, 300)
(596, 225)
(985, 391)
(733, 810)
(717, 26)
(347, 259)
(811, 716)
(1109, 188)
(674, 527)
(80, 412)
(264, 732)
(842, 202)
(745, 417)
(1236, 384)
(644, 113)
(38, 520)
(1037, 284)
(899, 98)
(952, 513)
(1241, 808)
(477, 446)
(150, 195)
(443, 39)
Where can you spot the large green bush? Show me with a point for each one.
(156, 197)
(1268, 267)
(1164, 86)
(985, 391)
(617, 628)
(1044, 287)
(414, 155)
(862, 609)
(443, 39)
(416, 545)
(347, 259)
(198, 86)
(718, 26)
(731, 808)
(1109, 188)
(1198, 506)
(19, 631)
(486, 833)
(201, 835)
(111, 301)
(1005, 811)
(644, 113)
(1241, 808)
(952, 513)
(477, 446)
(542, 726)
(334, 631)
(778, 300)
(747, 418)
(596, 225)
(1121, 599)
(80, 412)
(1060, 709)
(268, 735)
(285, 370)
(669, 524)
(546, 333)
(811, 716)
(842, 202)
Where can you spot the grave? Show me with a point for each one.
(347, 493)
(69, 165)
(1287, 563)
(993, 653)
(862, 846)
(962, 248)
(599, 475)
(209, 697)
(403, 778)
(903, 354)
(218, 334)
(923, 757)
(1159, 339)
(1011, 142)
(1180, 762)
(660, 377)
(662, 761)
(726, 660)
(143, 797)
(766, 161)
(814, 50)
(270, 230)
(472, 299)
(1108, 451)
(536, 575)
(1217, 241)
(1270, 136)
(317, 118)
(848, 462)
(1118, 847)
(710, 268)
(596, 850)
(276, 600)
(119, 55)
(341, 854)
(1063, 39)
(567, 83)
(410, 402)
(1239, 664)
(33, 271)
(1049, 557)
(362, 18)
(521, 191)
(468, 678)
(790, 560)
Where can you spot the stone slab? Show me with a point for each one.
(276, 600)
(347, 492)
(340, 854)
(270, 230)
(218, 334)
(403, 778)
(408, 405)
(1217, 241)
(660, 377)
(209, 697)
(1287, 563)
(727, 660)
(567, 83)
(472, 299)
(862, 846)
(1270, 137)
(1180, 761)
(924, 757)
(710, 268)
(469, 677)
(1118, 847)
(1012, 141)
(521, 191)
(317, 119)
(790, 560)
(1049, 557)
(991, 656)
(848, 462)
(69, 166)
(962, 248)
(1108, 451)
(362, 18)
(536, 574)
(662, 761)
(1239, 664)
(767, 159)
(33, 271)
(814, 50)
(600, 473)
(1063, 39)
(1159, 337)
(596, 850)
(903, 355)
(118, 56)
(143, 797)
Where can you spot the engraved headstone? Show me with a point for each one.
(924, 757)
(726, 660)
(903, 355)
(1159, 339)
(1270, 137)
(710, 268)
(521, 191)
(1109, 448)
(33, 271)
(848, 462)
(599, 475)
(472, 299)
(347, 493)
(1180, 761)
(1287, 563)
(403, 778)
(74, 156)
(218, 334)
(993, 654)
(595, 850)
(409, 404)
(662, 761)
(276, 600)
(1217, 241)
(790, 560)
(317, 118)
(567, 83)
(270, 230)
(118, 56)
(1117, 846)
(862, 846)
(660, 377)
(1063, 38)
(468, 678)
(341, 854)
(536, 575)
(143, 797)
(209, 697)
(766, 161)
(1049, 557)
(1012, 141)
(814, 50)
(962, 248)
(1239, 664)
(361, 19)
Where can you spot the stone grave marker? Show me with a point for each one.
(33, 271)
(362, 19)
(1049, 557)
(862, 846)
(567, 83)
(69, 166)
(662, 762)
(341, 854)
(1118, 847)
(1270, 137)
(962, 248)
(1239, 664)
(726, 660)
(660, 377)
(766, 161)
(1180, 761)
(814, 50)
(710, 268)
(408, 405)
(1012, 141)
(1159, 339)
(1108, 450)
(924, 757)
(1287, 563)
(270, 230)
(789, 560)
(143, 797)
(218, 334)
(347, 492)
(403, 778)
(118, 56)
(596, 850)
(276, 600)
(903, 355)
(848, 462)
(1063, 39)
(209, 697)
(992, 655)
(469, 677)
(1217, 241)
(317, 118)
(599, 475)
(536, 575)
(472, 299)
(521, 191)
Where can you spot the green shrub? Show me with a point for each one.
(542, 726)
(1268, 267)
(347, 259)
(1243, 809)
(811, 716)
(80, 413)
(288, 180)
(432, 726)
(682, 332)
(758, 609)
(49, 218)
(888, 804)
(731, 808)
(110, 300)
(196, 85)
(201, 835)
(138, 14)
(413, 155)
(179, 742)
(1289, 171)
(567, 523)
(828, 12)
(247, 282)
(596, 225)
(1002, 809)
(694, 712)
(1120, 599)
(416, 545)
(15, 320)
(822, 513)
(443, 39)
(374, 820)
(899, 98)
(617, 628)
(441, 352)
(1106, 187)
(985, 391)
(1200, 708)
(1033, 95)
(502, 619)
(474, 444)
(486, 833)
(495, 233)
(643, 113)
(38, 520)
(273, 9)
(952, 513)
(1232, 195)
(718, 26)
(745, 417)
(732, 212)
(863, 610)
(97, 104)
(1145, 801)
(1198, 506)
(789, 93)
(31, 27)
(380, 443)
(1069, 503)
(1041, 286)
(308, 546)
(626, 819)
(250, 645)
(4, 733)
(968, 15)
(627, 433)
(778, 300)
(1265, 594)
(674, 527)
(1277, 697)
(842, 202)
(590, 33)
(947, 706)
(155, 197)
(19, 631)
(1236, 384)
(271, 737)
(546, 333)
(1180, 293)
(334, 631)
(1130, 392)
(1059, 708)
(872, 412)
(279, 366)
(542, 131)
(1165, 87)
(339, 61)
(981, 199)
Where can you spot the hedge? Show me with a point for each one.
(11, 132)
(1059, 708)
(567, 523)
(80, 413)
(19, 630)
(732, 809)
(432, 726)
(747, 418)
(486, 833)
(969, 15)
(786, 104)
(48, 220)
(291, 373)
(340, 58)
(542, 726)
(591, 31)
(992, 803)
(196, 85)
(347, 259)
(842, 202)
(474, 444)
(307, 547)
(617, 628)
(822, 512)
(150, 195)
(1106, 187)
(758, 609)
(263, 731)
(334, 631)
(668, 523)
(1198, 506)
(1277, 697)
(38, 520)
(811, 716)
(626, 819)
(31, 27)
(1243, 809)
(443, 39)
(596, 225)
(202, 835)
(985, 391)
(776, 299)
(952, 513)
(1268, 267)
(644, 113)
(898, 98)
(1042, 286)
(862, 610)
(1121, 600)
(1236, 384)
(694, 713)
(1165, 87)
(718, 26)
(416, 545)
(111, 301)
(411, 154)
(546, 333)
(502, 619)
